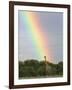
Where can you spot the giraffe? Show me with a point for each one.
(45, 65)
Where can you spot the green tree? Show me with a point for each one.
(60, 68)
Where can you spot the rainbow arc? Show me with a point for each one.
(35, 29)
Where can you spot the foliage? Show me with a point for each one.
(34, 68)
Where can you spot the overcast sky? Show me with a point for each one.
(52, 26)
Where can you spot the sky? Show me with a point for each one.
(40, 34)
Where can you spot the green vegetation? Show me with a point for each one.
(34, 69)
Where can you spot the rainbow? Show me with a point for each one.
(35, 29)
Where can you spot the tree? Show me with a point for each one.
(34, 68)
(60, 68)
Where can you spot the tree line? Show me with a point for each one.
(34, 68)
